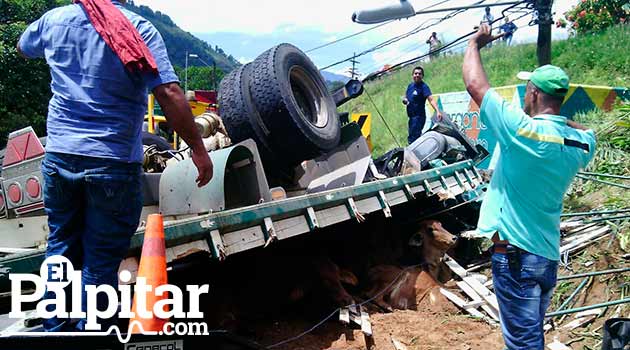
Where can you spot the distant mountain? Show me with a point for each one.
(178, 42)
(332, 77)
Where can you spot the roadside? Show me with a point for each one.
(443, 326)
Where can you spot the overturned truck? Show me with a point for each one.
(292, 178)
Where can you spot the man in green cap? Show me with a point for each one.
(541, 152)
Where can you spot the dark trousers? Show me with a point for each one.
(416, 124)
(93, 207)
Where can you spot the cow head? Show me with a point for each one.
(432, 235)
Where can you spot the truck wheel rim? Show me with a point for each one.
(309, 97)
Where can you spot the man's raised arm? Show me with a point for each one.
(474, 75)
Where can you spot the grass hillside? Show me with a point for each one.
(597, 59)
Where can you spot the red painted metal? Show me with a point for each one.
(15, 193)
(33, 188)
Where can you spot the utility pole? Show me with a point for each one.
(214, 76)
(186, 74)
(543, 9)
(353, 71)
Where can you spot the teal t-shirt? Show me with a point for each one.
(535, 168)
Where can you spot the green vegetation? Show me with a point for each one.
(200, 78)
(24, 84)
(594, 15)
(178, 42)
(596, 59)
(611, 157)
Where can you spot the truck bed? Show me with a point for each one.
(233, 231)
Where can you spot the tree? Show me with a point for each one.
(24, 84)
(595, 15)
(334, 85)
(200, 78)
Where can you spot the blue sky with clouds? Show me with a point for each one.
(245, 28)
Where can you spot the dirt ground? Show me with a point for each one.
(419, 330)
(443, 326)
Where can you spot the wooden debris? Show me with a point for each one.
(592, 312)
(579, 322)
(344, 316)
(362, 319)
(355, 316)
(478, 266)
(566, 225)
(398, 345)
(461, 303)
(366, 328)
(471, 234)
(485, 293)
(557, 345)
(479, 277)
(455, 267)
(472, 287)
(472, 294)
(580, 228)
(585, 239)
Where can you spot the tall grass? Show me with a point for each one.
(595, 59)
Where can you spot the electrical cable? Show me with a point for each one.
(305, 332)
(382, 118)
(440, 49)
(347, 306)
(400, 37)
(367, 30)
(347, 37)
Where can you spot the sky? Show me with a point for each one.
(245, 28)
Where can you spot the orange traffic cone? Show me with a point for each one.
(153, 269)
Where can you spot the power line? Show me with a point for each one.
(390, 41)
(348, 37)
(449, 45)
(474, 6)
(353, 71)
(382, 118)
(367, 30)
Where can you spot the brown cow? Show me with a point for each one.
(405, 288)
(434, 241)
(323, 277)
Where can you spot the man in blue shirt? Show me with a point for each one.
(415, 98)
(93, 164)
(541, 152)
(508, 27)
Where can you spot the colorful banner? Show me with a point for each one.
(465, 112)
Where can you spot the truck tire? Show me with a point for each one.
(239, 116)
(293, 101)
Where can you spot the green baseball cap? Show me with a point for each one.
(549, 79)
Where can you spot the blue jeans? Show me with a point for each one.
(508, 39)
(416, 124)
(523, 283)
(93, 207)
